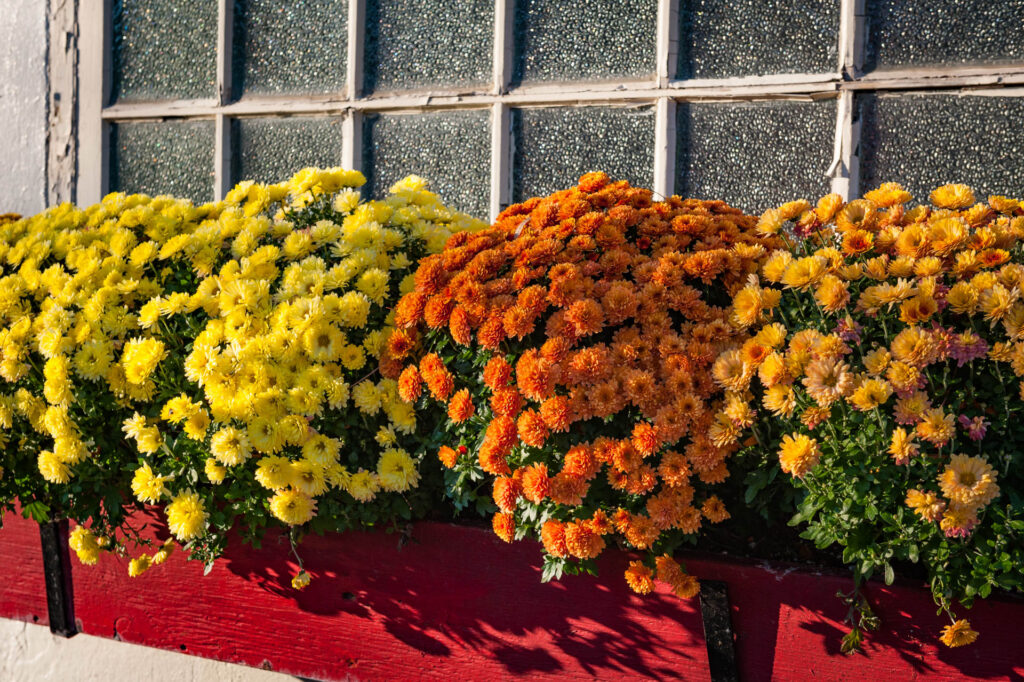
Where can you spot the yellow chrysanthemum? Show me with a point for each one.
(969, 481)
(397, 471)
(953, 197)
(147, 486)
(798, 454)
(85, 545)
(958, 634)
(186, 516)
(230, 446)
(292, 506)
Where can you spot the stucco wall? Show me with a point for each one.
(29, 653)
(23, 105)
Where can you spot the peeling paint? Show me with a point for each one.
(23, 97)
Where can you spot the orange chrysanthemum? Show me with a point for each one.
(497, 373)
(410, 384)
(552, 535)
(645, 439)
(507, 401)
(532, 429)
(536, 484)
(556, 414)
(506, 493)
(448, 456)
(639, 578)
(504, 526)
(460, 408)
(581, 541)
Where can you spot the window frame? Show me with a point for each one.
(661, 90)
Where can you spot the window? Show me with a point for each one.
(494, 101)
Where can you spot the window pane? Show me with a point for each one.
(754, 155)
(451, 149)
(424, 43)
(164, 50)
(554, 147)
(923, 142)
(273, 149)
(170, 157)
(606, 39)
(298, 46)
(757, 37)
(918, 32)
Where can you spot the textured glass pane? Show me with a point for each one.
(923, 32)
(754, 155)
(172, 157)
(273, 149)
(424, 43)
(757, 37)
(164, 50)
(923, 142)
(602, 40)
(293, 46)
(554, 147)
(451, 149)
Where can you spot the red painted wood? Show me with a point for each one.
(23, 591)
(457, 603)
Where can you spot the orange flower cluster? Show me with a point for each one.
(595, 305)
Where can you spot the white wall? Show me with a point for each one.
(23, 93)
(29, 653)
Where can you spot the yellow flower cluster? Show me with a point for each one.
(234, 342)
(294, 320)
(874, 310)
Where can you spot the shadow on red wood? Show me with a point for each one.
(456, 602)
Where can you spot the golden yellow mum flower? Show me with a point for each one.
(186, 516)
(805, 272)
(870, 394)
(902, 446)
(958, 634)
(214, 471)
(300, 580)
(363, 485)
(951, 196)
(140, 358)
(138, 566)
(798, 454)
(397, 471)
(52, 468)
(969, 481)
(274, 472)
(147, 486)
(888, 194)
(292, 506)
(230, 446)
(85, 545)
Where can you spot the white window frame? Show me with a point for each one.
(661, 91)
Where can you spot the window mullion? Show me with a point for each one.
(851, 38)
(665, 146)
(667, 43)
(501, 158)
(352, 140)
(356, 33)
(222, 155)
(504, 19)
(94, 81)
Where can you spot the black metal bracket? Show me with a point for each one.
(57, 568)
(714, 610)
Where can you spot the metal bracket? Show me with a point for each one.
(714, 610)
(57, 569)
